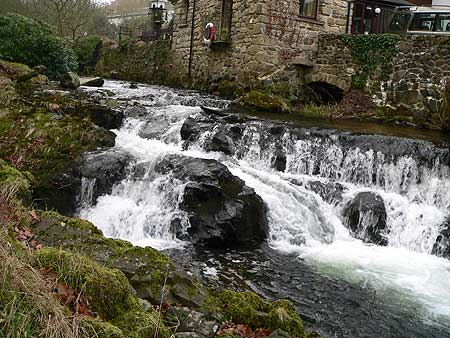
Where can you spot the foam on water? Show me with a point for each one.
(416, 198)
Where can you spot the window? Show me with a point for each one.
(308, 8)
(226, 20)
(443, 23)
(184, 12)
(423, 22)
(400, 22)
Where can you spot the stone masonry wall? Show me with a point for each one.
(266, 37)
(413, 81)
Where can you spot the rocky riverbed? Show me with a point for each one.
(322, 217)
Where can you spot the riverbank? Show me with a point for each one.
(284, 93)
(61, 276)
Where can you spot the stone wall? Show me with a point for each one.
(267, 36)
(413, 81)
(139, 61)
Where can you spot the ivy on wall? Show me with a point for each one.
(368, 53)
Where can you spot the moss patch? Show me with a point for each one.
(78, 236)
(36, 141)
(265, 102)
(250, 309)
(107, 290)
(100, 329)
(27, 305)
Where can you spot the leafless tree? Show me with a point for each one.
(70, 17)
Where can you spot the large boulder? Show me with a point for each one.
(222, 210)
(365, 216)
(70, 80)
(87, 178)
(105, 116)
(263, 102)
(103, 170)
(441, 247)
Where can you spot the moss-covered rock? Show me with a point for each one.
(148, 270)
(13, 70)
(265, 102)
(13, 183)
(250, 309)
(107, 290)
(78, 236)
(100, 329)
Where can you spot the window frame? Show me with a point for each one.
(306, 17)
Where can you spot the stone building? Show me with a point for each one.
(255, 39)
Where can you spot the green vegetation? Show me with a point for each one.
(88, 52)
(313, 111)
(265, 102)
(107, 290)
(35, 141)
(250, 309)
(143, 62)
(27, 306)
(370, 52)
(13, 182)
(34, 43)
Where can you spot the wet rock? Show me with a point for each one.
(220, 142)
(133, 85)
(365, 215)
(330, 192)
(279, 161)
(105, 116)
(222, 210)
(70, 80)
(136, 111)
(115, 75)
(95, 82)
(63, 192)
(193, 127)
(154, 128)
(441, 247)
(106, 168)
(213, 111)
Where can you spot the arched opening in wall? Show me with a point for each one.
(323, 93)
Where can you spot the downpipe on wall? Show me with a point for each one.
(191, 48)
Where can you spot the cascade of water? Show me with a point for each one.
(416, 193)
(85, 199)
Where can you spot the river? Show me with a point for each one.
(341, 286)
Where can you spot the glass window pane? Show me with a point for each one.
(423, 22)
(308, 8)
(400, 22)
(443, 23)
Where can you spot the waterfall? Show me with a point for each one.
(85, 198)
(412, 177)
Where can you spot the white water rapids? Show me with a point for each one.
(416, 200)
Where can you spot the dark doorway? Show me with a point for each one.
(321, 92)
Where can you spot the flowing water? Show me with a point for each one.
(342, 286)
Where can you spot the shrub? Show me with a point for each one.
(88, 51)
(34, 43)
